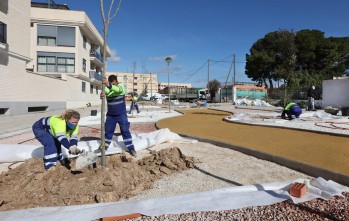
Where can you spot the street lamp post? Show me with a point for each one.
(168, 61)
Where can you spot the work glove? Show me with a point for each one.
(74, 150)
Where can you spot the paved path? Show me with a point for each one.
(321, 150)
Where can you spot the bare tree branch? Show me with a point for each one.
(110, 8)
(116, 10)
(102, 11)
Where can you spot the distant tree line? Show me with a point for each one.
(297, 59)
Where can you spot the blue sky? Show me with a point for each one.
(145, 32)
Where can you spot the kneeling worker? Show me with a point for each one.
(54, 131)
(290, 110)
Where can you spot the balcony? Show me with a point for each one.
(95, 75)
(96, 57)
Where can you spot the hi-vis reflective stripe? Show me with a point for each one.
(115, 103)
(46, 121)
(60, 136)
(107, 140)
(116, 98)
(50, 163)
(129, 145)
(74, 136)
(47, 157)
(129, 139)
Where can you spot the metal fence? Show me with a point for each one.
(294, 94)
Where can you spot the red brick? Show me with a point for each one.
(298, 190)
(116, 218)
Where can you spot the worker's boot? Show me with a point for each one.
(133, 153)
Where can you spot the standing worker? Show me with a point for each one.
(134, 104)
(290, 110)
(116, 114)
(54, 131)
(311, 98)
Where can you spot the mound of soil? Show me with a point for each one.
(29, 185)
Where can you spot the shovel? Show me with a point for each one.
(84, 159)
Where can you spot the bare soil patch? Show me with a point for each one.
(29, 185)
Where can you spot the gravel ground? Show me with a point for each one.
(218, 168)
(334, 209)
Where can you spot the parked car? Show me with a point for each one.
(146, 97)
(159, 96)
(154, 96)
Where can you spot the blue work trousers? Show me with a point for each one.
(52, 147)
(295, 110)
(110, 125)
(133, 105)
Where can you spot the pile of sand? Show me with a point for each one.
(29, 185)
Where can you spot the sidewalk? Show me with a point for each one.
(13, 125)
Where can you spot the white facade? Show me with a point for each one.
(43, 72)
(335, 93)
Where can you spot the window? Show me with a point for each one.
(56, 62)
(3, 33)
(84, 43)
(124, 79)
(134, 83)
(96, 89)
(4, 6)
(37, 108)
(66, 36)
(84, 65)
(3, 111)
(83, 88)
(56, 36)
(46, 64)
(65, 65)
(91, 89)
(135, 78)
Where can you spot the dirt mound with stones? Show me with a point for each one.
(29, 185)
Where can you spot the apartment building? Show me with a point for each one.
(140, 83)
(51, 58)
(14, 54)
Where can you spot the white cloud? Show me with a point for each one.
(113, 57)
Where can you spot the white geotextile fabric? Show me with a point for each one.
(255, 102)
(216, 200)
(21, 152)
(309, 115)
(143, 116)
